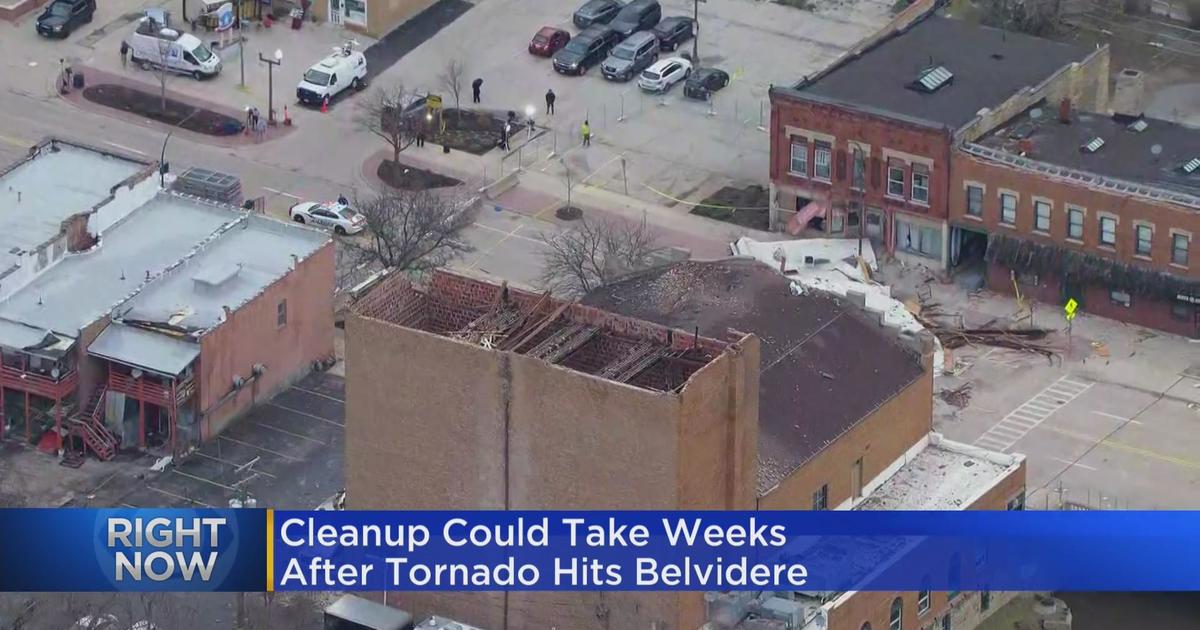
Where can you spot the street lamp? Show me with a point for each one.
(530, 110)
(271, 63)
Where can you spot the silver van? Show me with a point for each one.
(631, 56)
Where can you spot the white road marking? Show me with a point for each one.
(512, 234)
(1020, 421)
(1114, 417)
(1075, 464)
(316, 393)
(303, 413)
(123, 147)
(280, 192)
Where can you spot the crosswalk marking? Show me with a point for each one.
(1020, 421)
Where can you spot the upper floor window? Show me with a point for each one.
(975, 201)
(896, 619)
(920, 184)
(895, 186)
(281, 314)
(1145, 236)
(923, 597)
(823, 162)
(1075, 223)
(1008, 208)
(858, 174)
(821, 498)
(1041, 211)
(1108, 231)
(1179, 249)
(799, 164)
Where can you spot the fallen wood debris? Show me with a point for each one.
(959, 397)
(957, 335)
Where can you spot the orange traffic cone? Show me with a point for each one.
(324, 106)
(287, 118)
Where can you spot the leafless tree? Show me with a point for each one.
(595, 253)
(452, 77)
(1035, 17)
(162, 71)
(383, 114)
(412, 230)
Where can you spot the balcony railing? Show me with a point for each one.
(37, 383)
(150, 391)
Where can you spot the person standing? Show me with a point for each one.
(124, 53)
(420, 138)
(586, 132)
(476, 85)
(550, 98)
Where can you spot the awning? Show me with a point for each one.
(143, 349)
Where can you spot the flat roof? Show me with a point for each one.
(814, 385)
(369, 614)
(85, 286)
(945, 475)
(988, 65)
(1126, 154)
(153, 351)
(228, 271)
(40, 192)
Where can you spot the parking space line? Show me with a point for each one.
(1109, 415)
(261, 448)
(229, 463)
(507, 234)
(295, 435)
(178, 496)
(316, 393)
(202, 479)
(1029, 415)
(305, 414)
(1075, 464)
(280, 192)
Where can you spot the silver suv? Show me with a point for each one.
(631, 56)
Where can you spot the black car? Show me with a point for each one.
(585, 50)
(63, 16)
(639, 15)
(596, 12)
(703, 82)
(673, 31)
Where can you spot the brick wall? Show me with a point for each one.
(251, 335)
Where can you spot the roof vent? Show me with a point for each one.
(1093, 146)
(216, 275)
(1191, 166)
(1138, 125)
(932, 79)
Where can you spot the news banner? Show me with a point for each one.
(247, 550)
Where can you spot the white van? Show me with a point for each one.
(345, 68)
(150, 45)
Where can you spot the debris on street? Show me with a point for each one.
(959, 397)
(955, 334)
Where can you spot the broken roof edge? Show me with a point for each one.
(890, 116)
(50, 142)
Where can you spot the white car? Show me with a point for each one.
(664, 74)
(344, 69)
(341, 218)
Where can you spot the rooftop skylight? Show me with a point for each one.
(930, 80)
(1094, 145)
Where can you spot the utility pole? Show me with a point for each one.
(241, 46)
(271, 63)
(696, 35)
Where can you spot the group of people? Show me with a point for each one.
(255, 123)
(585, 130)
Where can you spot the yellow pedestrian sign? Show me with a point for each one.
(1070, 308)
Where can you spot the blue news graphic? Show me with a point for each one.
(808, 551)
(75, 550)
(255, 550)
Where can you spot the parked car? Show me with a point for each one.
(674, 30)
(596, 12)
(343, 70)
(664, 74)
(548, 41)
(585, 50)
(630, 57)
(705, 81)
(341, 218)
(639, 15)
(64, 16)
(151, 46)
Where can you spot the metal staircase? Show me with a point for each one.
(89, 427)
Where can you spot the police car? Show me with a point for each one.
(339, 217)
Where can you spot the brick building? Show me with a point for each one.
(864, 147)
(1103, 209)
(135, 318)
(699, 385)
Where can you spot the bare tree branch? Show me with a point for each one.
(412, 230)
(383, 113)
(596, 253)
(452, 77)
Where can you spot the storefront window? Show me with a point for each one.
(918, 239)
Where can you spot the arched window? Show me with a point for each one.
(897, 618)
(866, 625)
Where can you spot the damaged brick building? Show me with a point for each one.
(136, 318)
(694, 386)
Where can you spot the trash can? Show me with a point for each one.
(77, 81)
(297, 20)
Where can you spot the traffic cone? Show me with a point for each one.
(324, 106)
(287, 118)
